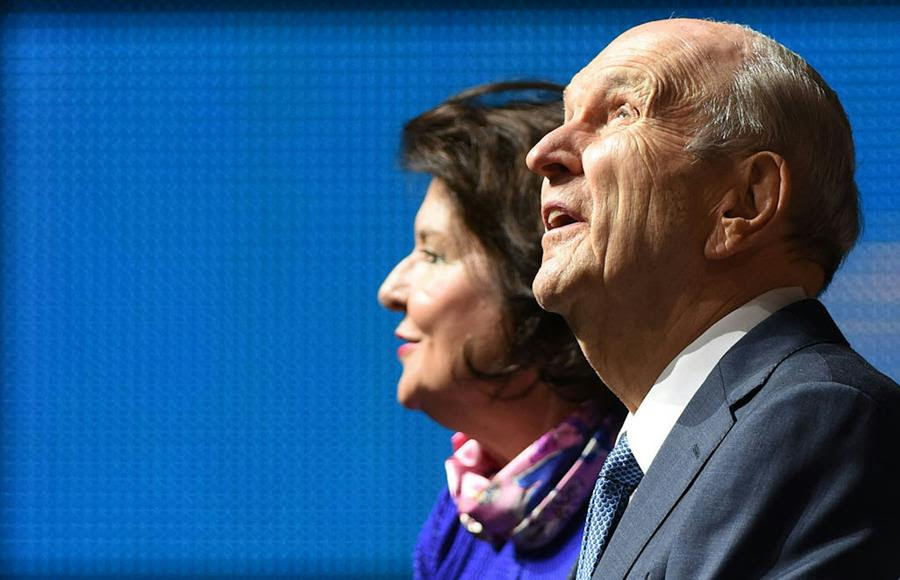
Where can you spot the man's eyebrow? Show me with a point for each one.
(616, 82)
(619, 80)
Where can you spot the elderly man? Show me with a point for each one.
(698, 194)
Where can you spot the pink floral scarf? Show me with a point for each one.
(534, 495)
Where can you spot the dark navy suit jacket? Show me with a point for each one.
(784, 464)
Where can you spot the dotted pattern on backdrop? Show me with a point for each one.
(197, 210)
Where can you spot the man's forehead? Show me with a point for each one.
(700, 32)
(599, 80)
(652, 49)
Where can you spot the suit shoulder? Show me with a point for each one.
(835, 368)
(821, 391)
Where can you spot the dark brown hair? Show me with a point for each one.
(476, 143)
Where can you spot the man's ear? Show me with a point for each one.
(751, 211)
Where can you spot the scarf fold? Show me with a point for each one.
(535, 495)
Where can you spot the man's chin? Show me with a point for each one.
(547, 293)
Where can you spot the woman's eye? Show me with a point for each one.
(431, 257)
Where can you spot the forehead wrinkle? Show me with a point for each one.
(702, 64)
(684, 60)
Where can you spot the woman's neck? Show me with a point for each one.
(506, 427)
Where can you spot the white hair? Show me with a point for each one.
(775, 101)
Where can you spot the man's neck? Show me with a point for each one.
(634, 345)
(683, 377)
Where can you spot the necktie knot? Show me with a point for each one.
(618, 479)
(621, 466)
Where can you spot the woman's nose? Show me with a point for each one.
(393, 291)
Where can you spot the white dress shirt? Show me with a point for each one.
(649, 426)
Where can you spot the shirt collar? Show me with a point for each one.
(649, 426)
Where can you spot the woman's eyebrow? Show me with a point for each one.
(424, 234)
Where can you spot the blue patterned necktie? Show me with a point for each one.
(618, 478)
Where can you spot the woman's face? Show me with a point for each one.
(442, 289)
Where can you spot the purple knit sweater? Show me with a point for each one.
(446, 550)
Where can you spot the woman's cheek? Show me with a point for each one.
(426, 304)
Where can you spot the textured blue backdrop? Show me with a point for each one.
(197, 210)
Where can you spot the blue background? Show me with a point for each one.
(197, 211)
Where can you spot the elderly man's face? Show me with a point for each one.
(627, 210)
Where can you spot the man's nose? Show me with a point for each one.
(555, 155)
(393, 291)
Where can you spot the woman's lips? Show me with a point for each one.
(406, 348)
(409, 343)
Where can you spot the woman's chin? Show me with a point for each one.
(408, 398)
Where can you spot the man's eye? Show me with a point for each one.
(622, 112)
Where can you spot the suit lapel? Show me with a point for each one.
(705, 422)
(695, 436)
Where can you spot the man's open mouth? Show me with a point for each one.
(557, 216)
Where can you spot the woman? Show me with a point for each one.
(533, 421)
